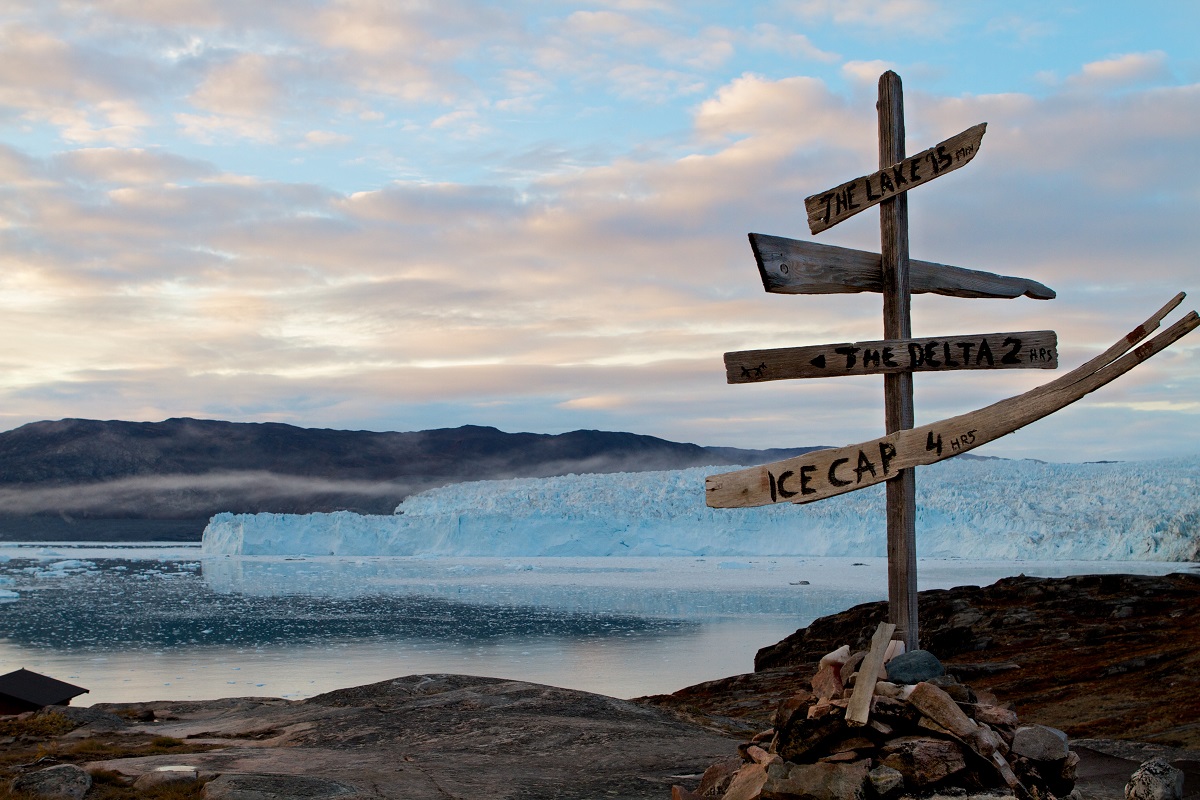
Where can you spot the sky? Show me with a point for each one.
(373, 215)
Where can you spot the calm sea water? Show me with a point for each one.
(141, 622)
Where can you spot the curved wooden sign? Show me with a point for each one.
(825, 473)
(827, 209)
(791, 266)
(1024, 350)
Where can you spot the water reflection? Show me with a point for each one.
(133, 625)
(661, 588)
(147, 605)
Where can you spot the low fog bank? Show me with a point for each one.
(69, 479)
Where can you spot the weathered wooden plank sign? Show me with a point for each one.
(1023, 350)
(791, 266)
(826, 209)
(826, 473)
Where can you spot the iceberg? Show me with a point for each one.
(966, 508)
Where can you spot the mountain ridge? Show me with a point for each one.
(70, 478)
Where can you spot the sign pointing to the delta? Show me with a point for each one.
(826, 209)
(1023, 350)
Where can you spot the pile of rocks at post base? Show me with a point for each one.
(908, 729)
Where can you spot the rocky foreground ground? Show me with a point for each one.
(1112, 660)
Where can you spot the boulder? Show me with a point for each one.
(716, 779)
(1040, 743)
(64, 782)
(885, 782)
(914, 666)
(995, 716)
(805, 739)
(827, 683)
(747, 784)
(923, 761)
(823, 781)
(93, 719)
(788, 708)
(1155, 780)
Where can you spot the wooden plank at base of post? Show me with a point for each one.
(1019, 350)
(791, 266)
(826, 209)
(859, 708)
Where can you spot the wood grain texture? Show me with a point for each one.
(1018, 350)
(826, 473)
(897, 387)
(859, 708)
(828, 208)
(791, 266)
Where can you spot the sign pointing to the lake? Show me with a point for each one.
(791, 266)
(826, 209)
(1025, 350)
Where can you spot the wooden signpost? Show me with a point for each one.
(794, 267)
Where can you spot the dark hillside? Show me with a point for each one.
(58, 479)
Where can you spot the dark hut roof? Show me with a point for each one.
(38, 689)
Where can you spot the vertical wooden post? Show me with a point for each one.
(897, 388)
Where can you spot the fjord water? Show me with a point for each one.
(140, 622)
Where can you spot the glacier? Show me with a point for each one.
(992, 509)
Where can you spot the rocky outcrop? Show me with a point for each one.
(428, 736)
(1097, 656)
(62, 782)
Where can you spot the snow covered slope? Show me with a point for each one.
(977, 509)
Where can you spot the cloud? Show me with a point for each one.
(641, 54)
(132, 166)
(773, 37)
(866, 72)
(1121, 71)
(552, 278)
(1024, 29)
(46, 79)
(791, 113)
(912, 16)
(241, 87)
(327, 138)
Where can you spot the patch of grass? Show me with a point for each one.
(187, 790)
(108, 785)
(93, 750)
(41, 726)
(166, 742)
(22, 756)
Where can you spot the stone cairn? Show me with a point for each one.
(883, 724)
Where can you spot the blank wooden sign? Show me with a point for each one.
(792, 266)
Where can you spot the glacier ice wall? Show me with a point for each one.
(977, 509)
